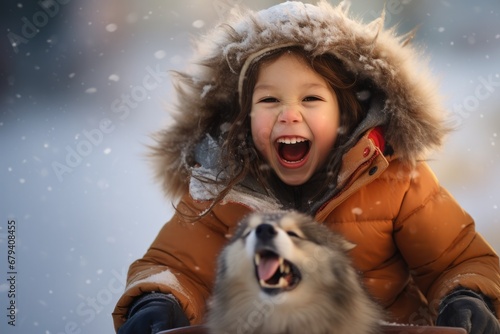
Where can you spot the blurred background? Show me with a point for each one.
(83, 84)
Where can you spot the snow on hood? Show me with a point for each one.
(412, 111)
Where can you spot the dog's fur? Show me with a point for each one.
(321, 293)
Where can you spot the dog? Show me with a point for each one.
(283, 272)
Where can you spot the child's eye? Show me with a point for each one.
(269, 100)
(312, 98)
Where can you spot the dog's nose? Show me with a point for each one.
(265, 232)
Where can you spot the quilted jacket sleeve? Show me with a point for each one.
(439, 242)
(181, 260)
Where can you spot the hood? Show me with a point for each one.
(412, 112)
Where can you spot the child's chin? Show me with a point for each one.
(294, 178)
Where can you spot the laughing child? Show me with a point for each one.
(301, 107)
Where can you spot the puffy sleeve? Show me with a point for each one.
(439, 242)
(182, 258)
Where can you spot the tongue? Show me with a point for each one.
(293, 152)
(267, 267)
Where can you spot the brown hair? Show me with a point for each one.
(239, 155)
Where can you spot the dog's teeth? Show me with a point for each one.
(283, 283)
(257, 259)
(282, 264)
(286, 270)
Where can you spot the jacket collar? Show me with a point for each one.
(361, 165)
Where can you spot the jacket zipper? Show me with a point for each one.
(349, 182)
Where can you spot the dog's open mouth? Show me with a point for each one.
(274, 273)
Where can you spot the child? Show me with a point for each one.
(301, 107)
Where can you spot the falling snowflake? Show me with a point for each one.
(198, 24)
(160, 54)
(357, 211)
(114, 77)
(111, 27)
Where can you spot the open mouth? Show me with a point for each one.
(293, 149)
(274, 273)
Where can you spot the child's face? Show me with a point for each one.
(294, 118)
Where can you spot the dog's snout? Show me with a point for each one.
(265, 232)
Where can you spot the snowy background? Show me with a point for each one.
(91, 81)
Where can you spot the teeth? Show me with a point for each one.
(282, 265)
(257, 259)
(281, 284)
(286, 270)
(291, 140)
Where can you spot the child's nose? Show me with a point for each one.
(290, 114)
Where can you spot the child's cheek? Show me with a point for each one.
(261, 132)
(261, 137)
(259, 143)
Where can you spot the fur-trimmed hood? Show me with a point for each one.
(412, 112)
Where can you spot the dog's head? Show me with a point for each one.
(281, 249)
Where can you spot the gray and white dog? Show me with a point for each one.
(283, 272)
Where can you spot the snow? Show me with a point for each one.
(114, 77)
(160, 54)
(205, 90)
(290, 10)
(202, 191)
(199, 24)
(363, 95)
(111, 27)
(357, 211)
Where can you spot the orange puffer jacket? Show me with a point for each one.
(415, 244)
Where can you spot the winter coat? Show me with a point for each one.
(414, 243)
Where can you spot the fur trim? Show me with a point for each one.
(413, 112)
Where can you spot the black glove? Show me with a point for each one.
(469, 310)
(153, 313)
